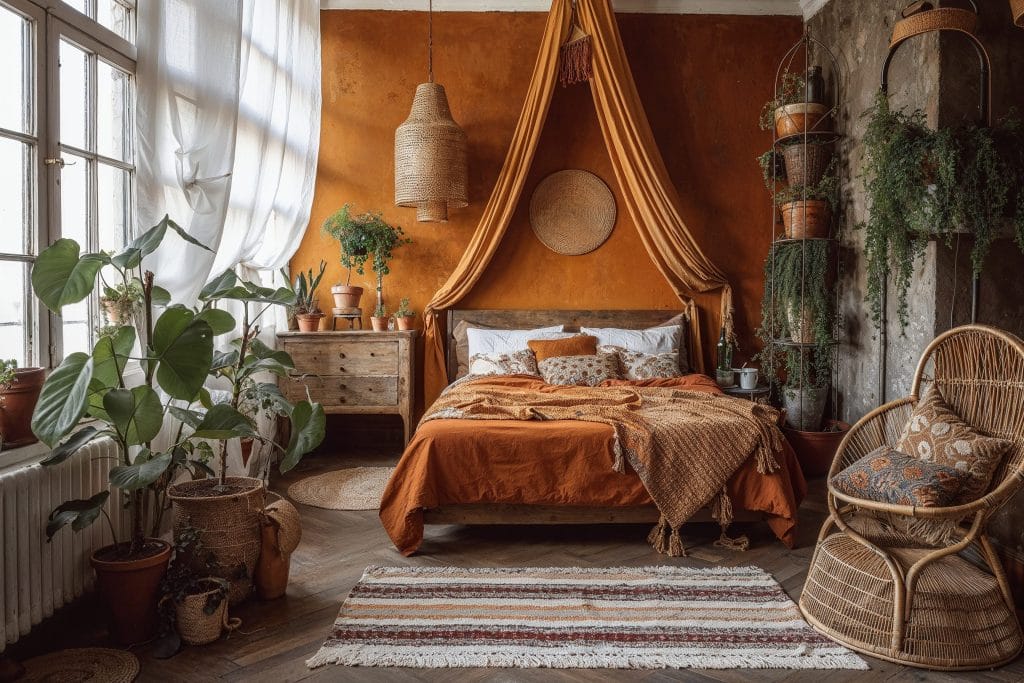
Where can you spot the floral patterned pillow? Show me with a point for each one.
(936, 434)
(515, 363)
(636, 365)
(888, 476)
(587, 371)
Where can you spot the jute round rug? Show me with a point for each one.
(353, 488)
(92, 664)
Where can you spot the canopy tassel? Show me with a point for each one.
(574, 57)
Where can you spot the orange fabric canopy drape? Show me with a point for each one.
(647, 190)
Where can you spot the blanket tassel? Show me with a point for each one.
(721, 510)
(666, 540)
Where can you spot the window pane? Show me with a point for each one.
(15, 196)
(112, 112)
(73, 110)
(76, 328)
(73, 200)
(116, 17)
(112, 209)
(15, 82)
(76, 4)
(13, 312)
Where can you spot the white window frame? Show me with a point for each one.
(52, 20)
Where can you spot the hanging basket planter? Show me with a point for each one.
(806, 219)
(806, 163)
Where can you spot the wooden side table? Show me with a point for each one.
(353, 372)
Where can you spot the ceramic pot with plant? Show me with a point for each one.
(794, 110)
(121, 301)
(307, 307)
(355, 237)
(807, 209)
(815, 450)
(404, 316)
(362, 236)
(379, 319)
(179, 344)
(19, 391)
(804, 406)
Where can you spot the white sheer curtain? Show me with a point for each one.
(229, 125)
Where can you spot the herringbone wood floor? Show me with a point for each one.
(277, 637)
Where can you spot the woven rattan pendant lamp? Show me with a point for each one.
(430, 150)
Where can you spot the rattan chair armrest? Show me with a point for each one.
(871, 431)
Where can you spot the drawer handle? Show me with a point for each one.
(372, 354)
(341, 400)
(342, 386)
(341, 355)
(341, 368)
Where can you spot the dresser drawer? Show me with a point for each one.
(345, 358)
(345, 391)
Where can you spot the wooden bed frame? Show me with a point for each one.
(498, 513)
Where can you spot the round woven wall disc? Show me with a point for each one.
(93, 664)
(572, 212)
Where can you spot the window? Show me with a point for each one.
(66, 156)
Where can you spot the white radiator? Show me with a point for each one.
(37, 577)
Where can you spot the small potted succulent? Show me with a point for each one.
(404, 316)
(379, 319)
(19, 391)
(121, 301)
(794, 110)
(307, 306)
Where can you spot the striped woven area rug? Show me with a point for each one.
(568, 617)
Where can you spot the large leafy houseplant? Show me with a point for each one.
(923, 183)
(362, 236)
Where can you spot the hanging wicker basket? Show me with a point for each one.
(430, 157)
(195, 626)
(806, 163)
(940, 19)
(228, 525)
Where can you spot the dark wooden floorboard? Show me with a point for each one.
(277, 637)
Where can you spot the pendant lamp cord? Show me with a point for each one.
(430, 41)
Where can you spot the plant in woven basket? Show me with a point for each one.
(826, 189)
(923, 183)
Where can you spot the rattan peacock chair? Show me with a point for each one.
(886, 592)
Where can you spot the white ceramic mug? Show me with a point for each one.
(748, 377)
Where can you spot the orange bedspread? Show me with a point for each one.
(451, 462)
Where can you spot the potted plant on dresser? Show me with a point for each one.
(404, 316)
(362, 236)
(307, 303)
(19, 391)
(354, 236)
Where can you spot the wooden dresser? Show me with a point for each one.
(354, 372)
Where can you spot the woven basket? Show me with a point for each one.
(572, 212)
(806, 163)
(801, 323)
(430, 157)
(228, 526)
(806, 219)
(195, 626)
(1017, 7)
(941, 19)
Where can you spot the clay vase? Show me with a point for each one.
(309, 322)
(17, 403)
(379, 324)
(280, 533)
(406, 322)
(816, 450)
(346, 296)
(801, 117)
(806, 219)
(130, 589)
(804, 407)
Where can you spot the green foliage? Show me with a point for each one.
(122, 299)
(403, 309)
(381, 311)
(827, 189)
(363, 235)
(305, 288)
(793, 89)
(923, 183)
(176, 354)
(772, 170)
(7, 373)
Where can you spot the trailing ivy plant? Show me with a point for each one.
(792, 91)
(923, 183)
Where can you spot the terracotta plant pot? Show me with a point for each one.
(800, 117)
(195, 626)
(806, 163)
(806, 218)
(113, 309)
(309, 322)
(406, 322)
(816, 450)
(17, 403)
(804, 407)
(379, 324)
(130, 589)
(346, 296)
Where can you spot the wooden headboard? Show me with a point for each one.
(573, 320)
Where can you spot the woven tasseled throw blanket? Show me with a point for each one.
(684, 445)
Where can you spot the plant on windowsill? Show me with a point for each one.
(121, 301)
(923, 184)
(307, 305)
(404, 316)
(175, 352)
(379, 319)
(19, 391)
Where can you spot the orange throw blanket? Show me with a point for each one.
(684, 445)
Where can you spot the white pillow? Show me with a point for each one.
(652, 341)
(483, 341)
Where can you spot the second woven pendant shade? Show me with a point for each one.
(430, 157)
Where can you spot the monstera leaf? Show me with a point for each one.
(183, 349)
(308, 430)
(62, 276)
(223, 422)
(144, 470)
(78, 513)
(63, 400)
(136, 413)
(146, 243)
(110, 355)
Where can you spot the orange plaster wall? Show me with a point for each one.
(702, 79)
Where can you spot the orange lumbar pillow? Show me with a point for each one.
(580, 345)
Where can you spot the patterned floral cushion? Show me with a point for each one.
(586, 371)
(888, 476)
(515, 363)
(936, 434)
(635, 365)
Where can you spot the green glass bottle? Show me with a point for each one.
(724, 352)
